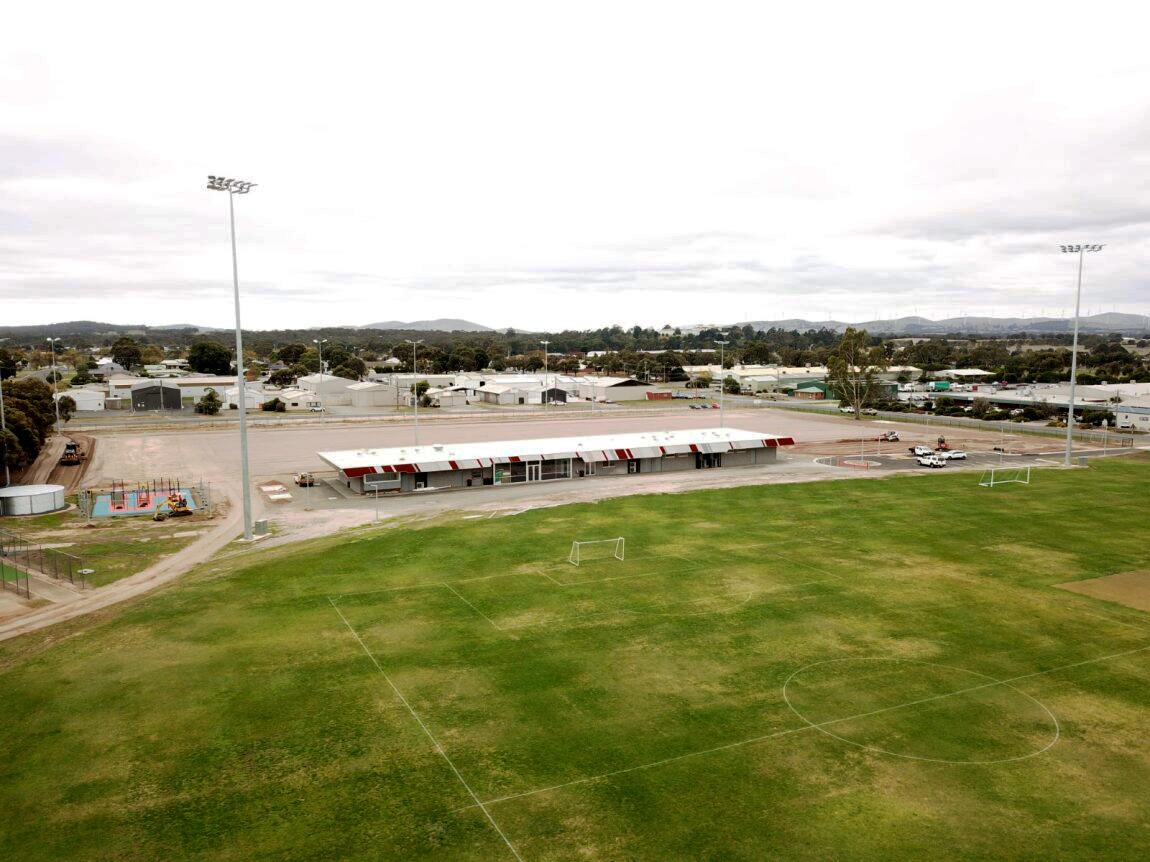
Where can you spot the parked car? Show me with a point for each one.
(931, 461)
(849, 410)
(316, 408)
(921, 451)
(888, 437)
(869, 411)
(304, 480)
(953, 455)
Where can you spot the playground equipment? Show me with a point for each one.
(142, 497)
(146, 498)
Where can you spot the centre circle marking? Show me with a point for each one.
(992, 682)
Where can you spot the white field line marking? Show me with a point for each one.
(459, 596)
(993, 682)
(439, 748)
(780, 733)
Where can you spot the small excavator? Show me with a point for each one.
(73, 454)
(175, 506)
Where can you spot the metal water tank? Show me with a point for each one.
(31, 499)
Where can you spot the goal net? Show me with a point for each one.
(1005, 476)
(596, 549)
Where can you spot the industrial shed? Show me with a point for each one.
(462, 465)
(614, 388)
(157, 395)
(332, 390)
(86, 399)
(375, 394)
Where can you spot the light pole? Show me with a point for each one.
(722, 380)
(3, 427)
(233, 188)
(52, 375)
(1079, 250)
(319, 343)
(415, 385)
(545, 384)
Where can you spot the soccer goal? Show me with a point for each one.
(596, 549)
(1005, 476)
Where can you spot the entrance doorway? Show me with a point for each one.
(533, 472)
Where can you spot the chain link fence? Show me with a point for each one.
(21, 554)
(1109, 439)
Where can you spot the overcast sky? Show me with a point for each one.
(571, 165)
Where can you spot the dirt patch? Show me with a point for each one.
(1126, 588)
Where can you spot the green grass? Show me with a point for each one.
(113, 547)
(242, 714)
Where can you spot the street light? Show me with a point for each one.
(415, 385)
(4, 428)
(1079, 250)
(545, 384)
(52, 377)
(722, 380)
(233, 188)
(319, 343)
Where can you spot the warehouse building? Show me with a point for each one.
(87, 398)
(464, 465)
(332, 390)
(373, 393)
(156, 395)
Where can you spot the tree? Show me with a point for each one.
(731, 386)
(283, 377)
(209, 357)
(7, 364)
(352, 368)
(210, 404)
(853, 369)
(67, 407)
(290, 354)
(82, 375)
(273, 406)
(979, 407)
(702, 381)
(126, 352)
(29, 415)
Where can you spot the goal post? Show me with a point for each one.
(1004, 476)
(597, 549)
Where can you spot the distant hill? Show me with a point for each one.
(93, 328)
(441, 324)
(1128, 324)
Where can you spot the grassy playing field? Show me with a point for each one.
(850, 670)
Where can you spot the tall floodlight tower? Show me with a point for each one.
(415, 384)
(722, 382)
(233, 188)
(546, 382)
(1081, 251)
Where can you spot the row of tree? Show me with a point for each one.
(28, 418)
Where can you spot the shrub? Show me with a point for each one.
(210, 404)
